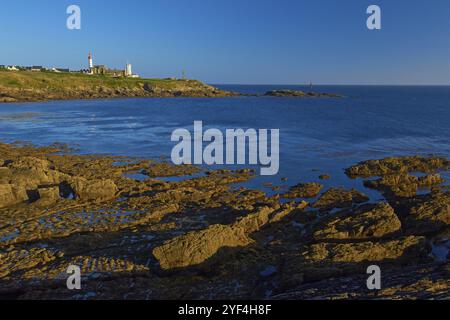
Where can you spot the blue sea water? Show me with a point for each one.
(317, 135)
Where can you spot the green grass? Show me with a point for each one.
(13, 83)
(64, 80)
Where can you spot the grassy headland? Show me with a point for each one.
(23, 86)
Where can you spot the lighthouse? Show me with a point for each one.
(128, 70)
(91, 63)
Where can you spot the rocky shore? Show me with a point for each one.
(200, 238)
(43, 86)
(300, 94)
(30, 86)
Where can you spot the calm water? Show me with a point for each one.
(317, 136)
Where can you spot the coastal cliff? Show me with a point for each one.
(27, 86)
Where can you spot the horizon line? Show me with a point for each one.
(329, 84)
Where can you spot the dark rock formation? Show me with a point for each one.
(299, 94)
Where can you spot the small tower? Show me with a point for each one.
(91, 62)
(128, 70)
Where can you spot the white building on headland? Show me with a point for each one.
(91, 62)
(128, 71)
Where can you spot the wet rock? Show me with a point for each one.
(48, 196)
(19, 260)
(403, 248)
(430, 180)
(168, 170)
(30, 173)
(90, 267)
(440, 188)
(30, 163)
(196, 247)
(94, 190)
(403, 185)
(372, 221)
(340, 198)
(303, 190)
(396, 166)
(237, 243)
(11, 194)
(430, 216)
(402, 283)
(280, 214)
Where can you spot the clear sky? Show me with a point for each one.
(237, 41)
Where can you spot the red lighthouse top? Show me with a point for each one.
(90, 55)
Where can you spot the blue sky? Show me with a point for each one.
(238, 41)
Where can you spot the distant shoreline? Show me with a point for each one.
(27, 86)
(326, 85)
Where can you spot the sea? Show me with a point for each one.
(317, 135)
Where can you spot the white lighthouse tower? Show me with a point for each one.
(128, 70)
(91, 62)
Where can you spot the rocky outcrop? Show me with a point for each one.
(49, 195)
(31, 179)
(403, 185)
(168, 170)
(303, 190)
(11, 194)
(21, 179)
(94, 190)
(427, 282)
(397, 166)
(30, 173)
(196, 247)
(366, 251)
(299, 94)
(430, 216)
(371, 221)
(340, 198)
(19, 260)
(200, 237)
